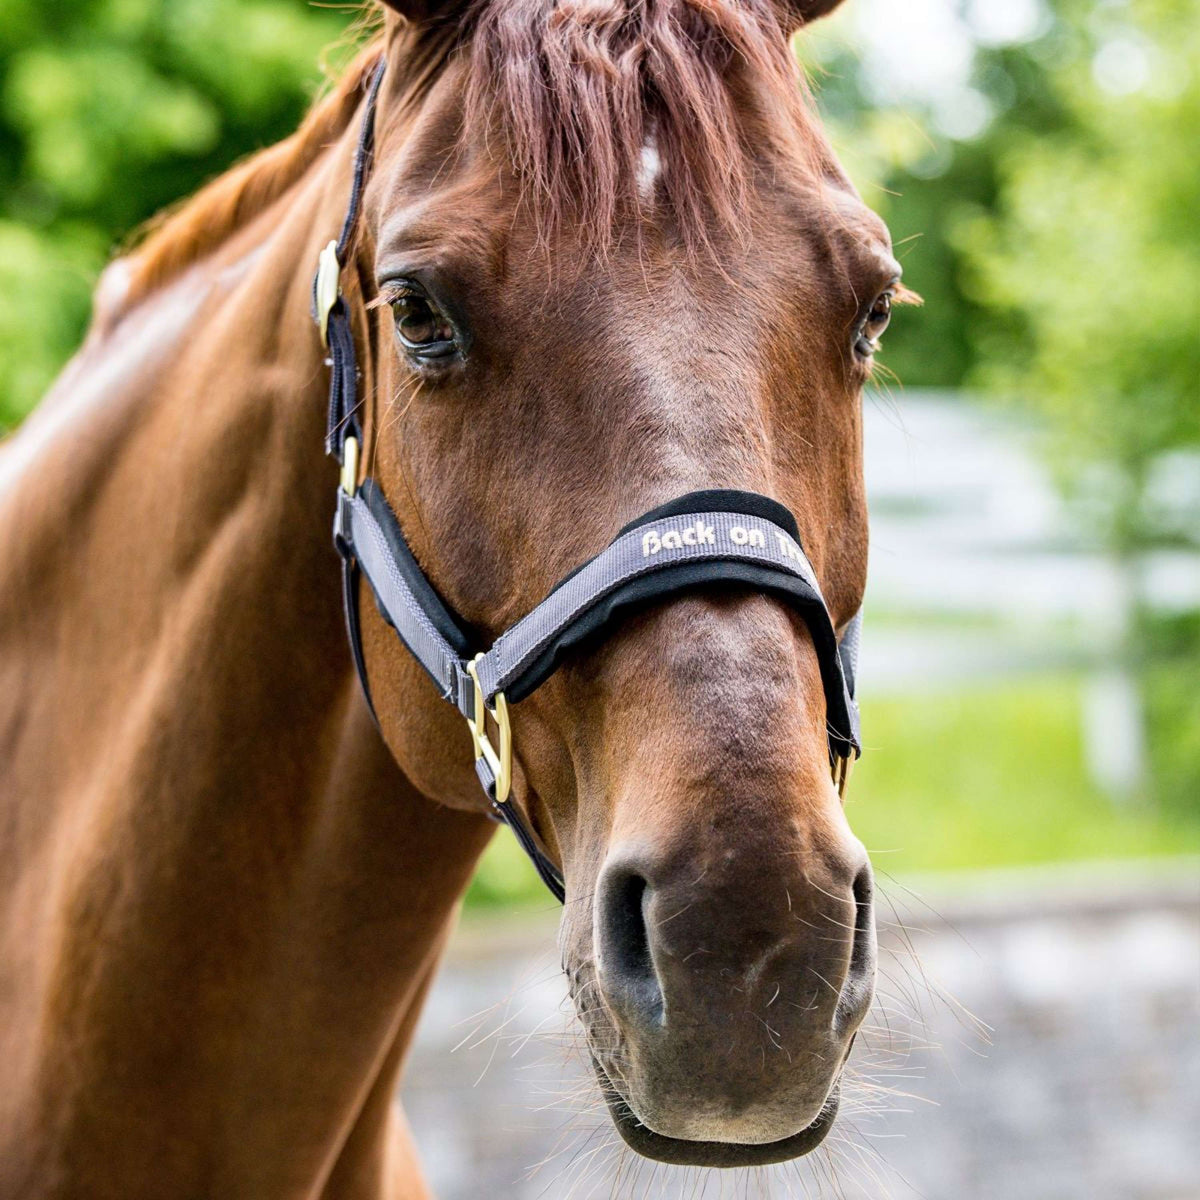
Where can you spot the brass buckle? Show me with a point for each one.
(840, 770)
(329, 275)
(500, 761)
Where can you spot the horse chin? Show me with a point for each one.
(686, 1153)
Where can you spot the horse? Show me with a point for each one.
(602, 256)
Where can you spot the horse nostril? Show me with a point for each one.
(626, 963)
(860, 978)
(864, 921)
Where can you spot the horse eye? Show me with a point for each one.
(880, 315)
(421, 327)
(874, 323)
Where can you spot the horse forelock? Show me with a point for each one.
(587, 93)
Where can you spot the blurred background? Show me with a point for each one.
(1031, 664)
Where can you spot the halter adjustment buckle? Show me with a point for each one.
(328, 288)
(499, 761)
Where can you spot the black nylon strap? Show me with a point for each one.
(364, 157)
(506, 812)
(342, 420)
(548, 873)
(350, 576)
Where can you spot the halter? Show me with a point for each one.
(706, 537)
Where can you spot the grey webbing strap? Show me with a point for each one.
(359, 532)
(848, 648)
(693, 537)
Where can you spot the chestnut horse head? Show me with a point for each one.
(609, 259)
(604, 259)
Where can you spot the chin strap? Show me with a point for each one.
(703, 539)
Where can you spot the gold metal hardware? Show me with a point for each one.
(329, 275)
(500, 761)
(349, 475)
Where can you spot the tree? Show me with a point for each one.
(1091, 262)
(1089, 265)
(110, 110)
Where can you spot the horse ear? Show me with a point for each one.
(795, 13)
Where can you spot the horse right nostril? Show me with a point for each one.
(860, 978)
(626, 963)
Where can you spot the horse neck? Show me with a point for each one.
(212, 872)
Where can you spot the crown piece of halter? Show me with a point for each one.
(702, 539)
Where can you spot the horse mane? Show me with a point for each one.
(179, 237)
(582, 89)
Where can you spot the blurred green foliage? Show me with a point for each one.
(109, 111)
(1059, 248)
(1090, 262)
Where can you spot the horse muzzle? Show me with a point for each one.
(728, 977)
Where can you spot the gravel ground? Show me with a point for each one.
(1039, 1032)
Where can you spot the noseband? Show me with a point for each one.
(703, 538)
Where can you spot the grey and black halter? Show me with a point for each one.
(705, 538)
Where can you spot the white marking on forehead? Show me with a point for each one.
(650, 167)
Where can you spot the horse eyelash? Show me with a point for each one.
(389, 293)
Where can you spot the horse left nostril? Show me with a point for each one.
(860, 978)
(626, 964)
